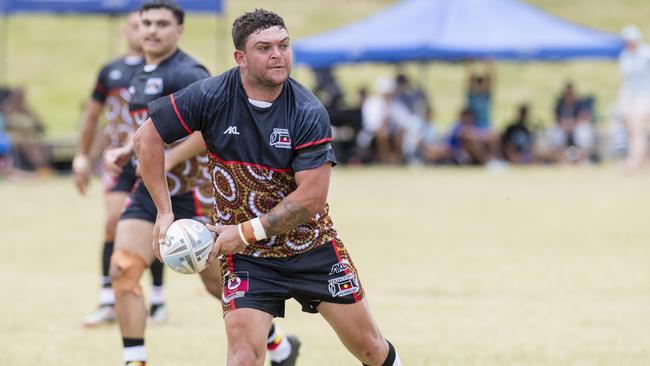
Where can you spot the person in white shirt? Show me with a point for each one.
(634, 95)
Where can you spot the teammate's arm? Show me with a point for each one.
(81, 164)
(192, 146)
(149, 147)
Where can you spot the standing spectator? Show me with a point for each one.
(634, 95)
(567, 106)
(517, 140)
(479, 93)
(415, 99)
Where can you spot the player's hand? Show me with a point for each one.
(163, 221)
(115, 159)
(81, 180)
(227, 242)
(81, 171)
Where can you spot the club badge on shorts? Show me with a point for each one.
(235, 286)
(280, 138)
(343, 286)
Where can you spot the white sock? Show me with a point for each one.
(106, 296)
(282, 350)
(137, 353)
(157, 295)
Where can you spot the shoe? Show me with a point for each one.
(295, 350)
(157, 313)
(135, 363)
(105, 314)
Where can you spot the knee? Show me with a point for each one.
(242, 351)
(374, 350)
(125, 271)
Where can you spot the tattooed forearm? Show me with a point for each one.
(286, 216)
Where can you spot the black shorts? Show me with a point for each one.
(121, 183)
(140, 205)
(323, 274)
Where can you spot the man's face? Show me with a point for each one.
(160, 32)
(132, 31)
(267, 56)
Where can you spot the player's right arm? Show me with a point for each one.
(81, 165)
(149, 147)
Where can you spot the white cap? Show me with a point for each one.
(384, 86)
(631, 33)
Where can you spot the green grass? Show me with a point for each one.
(57, 57)
(545, 266)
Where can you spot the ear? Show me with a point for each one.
(240, 58)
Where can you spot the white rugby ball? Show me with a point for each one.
(187, 246)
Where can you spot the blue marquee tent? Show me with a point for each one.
(98, 6)
(452, 30)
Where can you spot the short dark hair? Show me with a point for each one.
(170, 5)
(252, 22)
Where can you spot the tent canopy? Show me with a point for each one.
(453, 30)
(99, 6)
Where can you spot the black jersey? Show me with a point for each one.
(111, 89)
(152, 82)
(254, 152)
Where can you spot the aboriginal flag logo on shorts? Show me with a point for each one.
(235, 286)
(343, 286)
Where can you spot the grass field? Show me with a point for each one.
(462, 267)
(57, 57)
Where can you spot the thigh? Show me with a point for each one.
(247, 330)
(135, 236)
(115, 202)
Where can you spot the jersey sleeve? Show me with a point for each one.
(179, 114)
(100, 92)
(313, 144)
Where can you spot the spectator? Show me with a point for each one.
(517, 140)
(567, 107)
(572, 140)
(432, 147)
(384, 120)
(5, 150)
(479, 93)
(415, 99)
(470, 144)
(634, 95)
(26, 133)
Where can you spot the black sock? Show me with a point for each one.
(271, 331)
(157, 272)
(132, 342)
(107, 252)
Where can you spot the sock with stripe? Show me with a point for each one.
(134, 351)
(277, 344)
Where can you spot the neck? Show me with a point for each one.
(259, 91)
(134, 53)
(157, 59)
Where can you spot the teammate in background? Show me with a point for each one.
(111, 94)
(167, 70)
(268, 141)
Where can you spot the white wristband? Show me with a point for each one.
(241, 234)
(80, 163)
(258, 229)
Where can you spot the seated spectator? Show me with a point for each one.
(572, 141)
(470, 144)
(432, 147)
(479, 93)
(5, 150)
(384, 123)
(517, 139)
(567, 106)
(26, 133)
(415, 99)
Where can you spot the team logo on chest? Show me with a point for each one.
(115, 75)
(153, 86)
(280, 138)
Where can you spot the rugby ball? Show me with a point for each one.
(187, 246)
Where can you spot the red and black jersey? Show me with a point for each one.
(254, 151)
(111, 89)
(151, 82)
